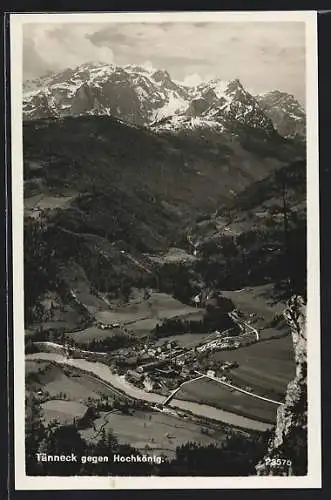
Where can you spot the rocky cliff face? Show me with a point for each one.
(287, 448)
(131, 93)
(286, 113)
(147, 97)
(144, 97)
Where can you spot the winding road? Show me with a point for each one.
(102, 371)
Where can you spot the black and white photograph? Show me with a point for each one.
(166, 272)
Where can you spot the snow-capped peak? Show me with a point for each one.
(286, 112)
(143, 95)
(131, 92)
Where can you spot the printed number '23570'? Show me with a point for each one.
(278, 461)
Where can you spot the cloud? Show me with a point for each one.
(59, 47)
(195, 79)
(192, 80)
(33, 64)
(148, 65)
(104, 37)
(264, 55)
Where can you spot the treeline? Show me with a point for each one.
(273, 248)
(55, 256)
(179, 280)
(116, 341)
(39, 264)
(209, 323)
(292, 177)
(46, 335)
(258, 256)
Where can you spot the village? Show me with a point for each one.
(178, 349)
(162, 368)
(162, 361)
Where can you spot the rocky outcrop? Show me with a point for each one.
(286, 113)
(145, 97)
(287, 448)
(131, 93)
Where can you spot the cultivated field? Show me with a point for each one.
(63, 411)
(209, 392)
(54, 379)
(159, 432)
(141, 316)
(138, 316)
(266, 366)
(91, 302)
(92, 333)
(159, 306)
(47, 201)
(174, 255)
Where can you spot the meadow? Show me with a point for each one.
(209, 392)
(138, 316)
(266, 366)
(152, 432)
(149, 431)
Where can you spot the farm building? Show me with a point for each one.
(153, 364)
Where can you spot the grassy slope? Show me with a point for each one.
(75, 151)
(267, 366)
(209, 392)
(104, 186)
(55, 379)
(244, 243)
(161, 433)
(137, 429)
(62, 411)
(125, 183)
(137, 315)
(262, 302)
(268, 190)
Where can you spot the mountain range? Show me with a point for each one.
(150, 98)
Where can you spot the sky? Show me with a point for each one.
(263, 55)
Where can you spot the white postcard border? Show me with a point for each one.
(313, 479)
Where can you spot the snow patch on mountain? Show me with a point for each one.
(177, 123)
(287, 114)
(144, 96)
(136, 92)
(174, 104)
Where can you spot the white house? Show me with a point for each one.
(197, 300)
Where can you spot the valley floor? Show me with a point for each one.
(103, 372)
